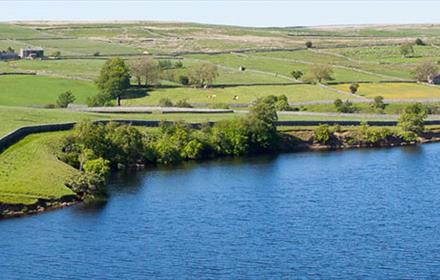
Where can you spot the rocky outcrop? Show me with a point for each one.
(18, 210)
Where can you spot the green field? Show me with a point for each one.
(84, 69)
(279, 67)
(30, 170)
(396, 90)
(343, 48)
(245, 94)
(363, 108)
(389, 54)
(15, 117)
(38, 90)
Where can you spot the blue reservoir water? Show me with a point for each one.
(347, 215)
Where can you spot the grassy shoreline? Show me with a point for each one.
(30, 170)
(32, 179)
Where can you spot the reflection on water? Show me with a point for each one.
(368, 213)
(413, 149)
(90, 207)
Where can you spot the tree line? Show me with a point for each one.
(410, 125)
(115, 75)
(95, 149)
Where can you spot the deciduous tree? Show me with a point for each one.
(354, 87)
(412, 118)
(407, 50)
(425, 71)
(296, 74)
(145, 69)
(65, 98)
(202, 74)
(320, 72)
(114, 78)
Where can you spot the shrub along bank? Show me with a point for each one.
(410, 127)
(95, 149)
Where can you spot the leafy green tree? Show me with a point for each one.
(344, 107)
(88, 185)
(145, 69)
(371, 135)
(378, 103)
(231, 137)
(114, 78)
(193, 149)
(127, 144)
(320, 73)
(296, 74)
(202, 74)
(99, 166)
(65, 98)
(264, 109)
(354, 87)
(322, 134)
(309, 44)
(282, 103)
(412, 119)
(167, 152)
(262, 136)
(425, 71)
(93, 137)
(407, 50)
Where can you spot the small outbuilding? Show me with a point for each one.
(435, 80)
(31, 53)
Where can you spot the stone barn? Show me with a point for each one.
(31, 53)
(435, 80)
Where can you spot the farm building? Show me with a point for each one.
(435, 80)
(31, 53)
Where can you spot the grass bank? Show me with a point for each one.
(19, 90)
(395, 90)
(243, 94)
(29, 170)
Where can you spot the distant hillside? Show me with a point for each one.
(76, 38)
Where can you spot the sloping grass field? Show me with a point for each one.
(24, 90)
(396, 90)
(15, 117)
(30, 170)
(245, 94)
(85, 69)
(279, 66)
